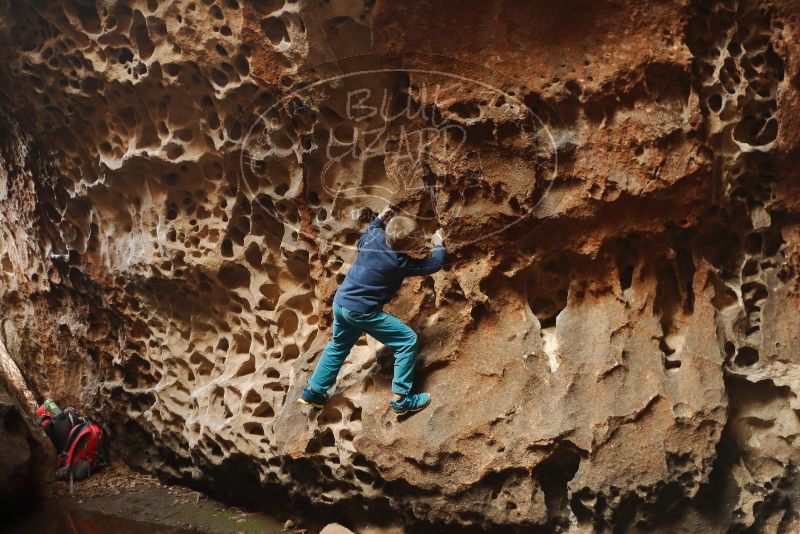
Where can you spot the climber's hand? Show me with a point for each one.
(437, 238)
(387, 213)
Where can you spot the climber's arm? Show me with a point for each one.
(380, 220)
(429, 265)
(378, 223)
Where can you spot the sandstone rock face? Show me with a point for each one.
(28, 457)
(611, 345)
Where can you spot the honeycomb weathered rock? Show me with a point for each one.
(611, 343)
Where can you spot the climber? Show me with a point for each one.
(374, 278)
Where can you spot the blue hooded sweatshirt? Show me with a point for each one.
(379, 270)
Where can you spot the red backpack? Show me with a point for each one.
(80, 456)
(58, 427)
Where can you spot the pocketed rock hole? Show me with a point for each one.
(191, 353)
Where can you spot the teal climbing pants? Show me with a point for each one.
(347, 328)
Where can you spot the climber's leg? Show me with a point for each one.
(396, 334)
(345, 335)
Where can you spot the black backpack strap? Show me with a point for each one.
(73, 436)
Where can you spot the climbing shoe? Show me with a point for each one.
(413, 402)
(312, 398)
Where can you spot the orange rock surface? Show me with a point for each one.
(611, 345)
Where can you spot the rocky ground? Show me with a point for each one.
(117, 498)
(123, 501)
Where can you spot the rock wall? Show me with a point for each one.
(610, 346)
(28, 457)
